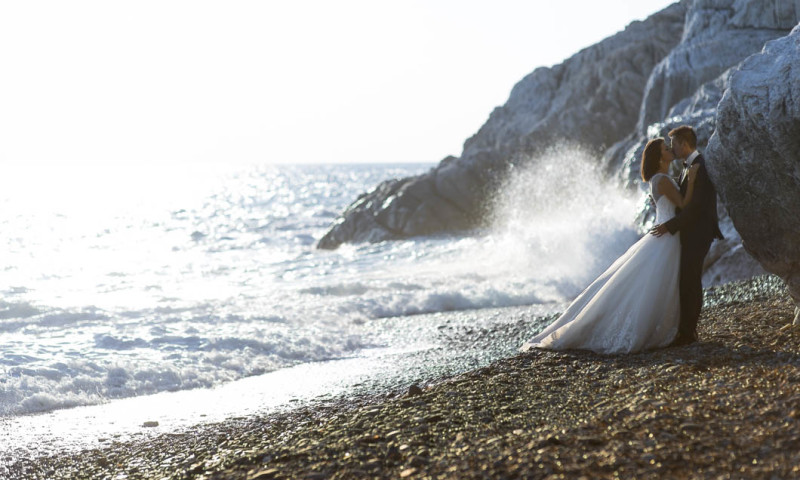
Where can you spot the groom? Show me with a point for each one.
(698, 225)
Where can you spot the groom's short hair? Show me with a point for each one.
(685, 134)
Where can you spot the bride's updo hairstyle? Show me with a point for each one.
(651, 157)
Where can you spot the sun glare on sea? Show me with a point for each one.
(76, 230)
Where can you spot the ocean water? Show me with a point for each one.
(130, 281)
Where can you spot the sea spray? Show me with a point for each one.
(559, 216)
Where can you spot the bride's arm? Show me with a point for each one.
(667, 188)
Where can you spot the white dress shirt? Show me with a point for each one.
(688, 164)
(691, 158)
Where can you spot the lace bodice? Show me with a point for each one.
(654, 185)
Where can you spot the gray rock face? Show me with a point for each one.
(592, 98)
(718, 35)
(754, 157)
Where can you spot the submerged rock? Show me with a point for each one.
(754, 157)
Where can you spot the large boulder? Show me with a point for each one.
(592, 99)
(754, 157)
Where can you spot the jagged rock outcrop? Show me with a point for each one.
(718, 35)
(593, 98)
(754, 157)
(398, 208)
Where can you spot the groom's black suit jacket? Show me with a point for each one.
(698, 221)
(699, 226)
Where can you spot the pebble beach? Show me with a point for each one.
(725, 407)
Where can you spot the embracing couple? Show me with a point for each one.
(651, 296)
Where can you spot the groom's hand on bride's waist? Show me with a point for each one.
(659, 230)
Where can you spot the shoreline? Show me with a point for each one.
(723, 407)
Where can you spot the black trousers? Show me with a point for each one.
(693, 252)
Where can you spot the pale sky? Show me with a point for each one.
(301, 81)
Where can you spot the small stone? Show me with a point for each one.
(264, 474)
(433, 418)
(150, 424)
(393, 454)
(408, 472)
(372, 464)
(592, 440)
(691, 426)
(315, 476)
(370, 439)
(414, 390)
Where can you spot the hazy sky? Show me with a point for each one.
(274, 81)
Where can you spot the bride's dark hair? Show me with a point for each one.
(651, 157)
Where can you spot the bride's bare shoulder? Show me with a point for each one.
(665, 184)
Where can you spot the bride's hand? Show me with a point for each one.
(693, 172)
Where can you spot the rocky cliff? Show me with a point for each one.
(671, 69)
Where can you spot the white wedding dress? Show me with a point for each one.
(633, 306)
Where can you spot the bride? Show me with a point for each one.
(634, 305)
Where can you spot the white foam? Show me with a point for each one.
(100, 419)
(141, 358)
